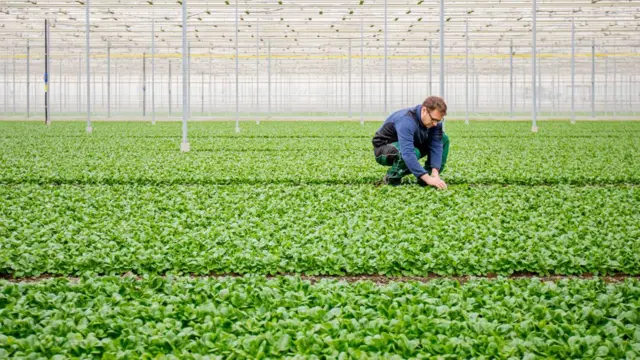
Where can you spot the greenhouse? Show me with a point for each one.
(231, 179)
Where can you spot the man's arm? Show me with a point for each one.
(435, 149)
(406, 128)
(435, 157)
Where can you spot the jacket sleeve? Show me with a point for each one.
(435, 146)
(406, 128)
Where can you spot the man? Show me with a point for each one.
(410, 134)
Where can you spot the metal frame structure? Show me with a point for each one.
(304, 40)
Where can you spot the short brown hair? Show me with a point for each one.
(434, 102)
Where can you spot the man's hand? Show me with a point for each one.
(434, 181)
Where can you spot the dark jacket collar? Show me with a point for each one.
(415, 112)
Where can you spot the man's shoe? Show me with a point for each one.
(391, 181)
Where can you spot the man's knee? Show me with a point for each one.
(386, 155)
(445, 139)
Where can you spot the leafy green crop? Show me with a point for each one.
(256, 318)
(297, 197)
(319, 229)
(310, 153)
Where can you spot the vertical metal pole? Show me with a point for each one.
(442, 49)
(4, 85)
(78, 84)
(511, 80)
(539, 62)
(502, 92)
(474, 80)
(60, 83)
(606, 84)
(188, 79)
(338, 85)
(406, 92)
(94, 92)
(184, 147)
(615, 85)
(153, 71)
(144, 84)
(593, 78)
(630, 93)
(401, 88)
(169, 90)
(35, 98)
(534, 127)
(349, 92)
(28, 82)
(430, 69)
(102, 92)
(573, 70)
(385, 57)
(214, 92)
(391, 85)
(554, 93)
(109, 80)
(116, 89)
(202, 93)
(237, 75)
(88, 51)
(47, 116)
(13, 81)
(442, 54)
(210, 90)
(258, 70)
(361, 71)
(269, 79)
(466, 83)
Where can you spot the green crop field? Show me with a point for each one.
(219, 243)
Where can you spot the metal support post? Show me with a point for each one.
(88, 52)
(237, 75)
(153, 72)
(606, 84)
(184, 146)
(511, 80)
(269, 79)
(349, 92)
(385, 57)
(573, 71)
(109, 80)
(466, 82)
(430, 69)
(361, 71)
(442, 49)
(13, 82)
(615, 85)
(144, 84)
(28, 81)
(258, 70)
(47, 64)
(593, 78)
(534, 126)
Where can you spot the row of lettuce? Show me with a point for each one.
(323, 229)
(254, 317)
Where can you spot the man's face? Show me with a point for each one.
(431, 118)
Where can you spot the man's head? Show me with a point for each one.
(433, 111)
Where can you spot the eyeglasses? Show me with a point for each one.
(432, 119)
